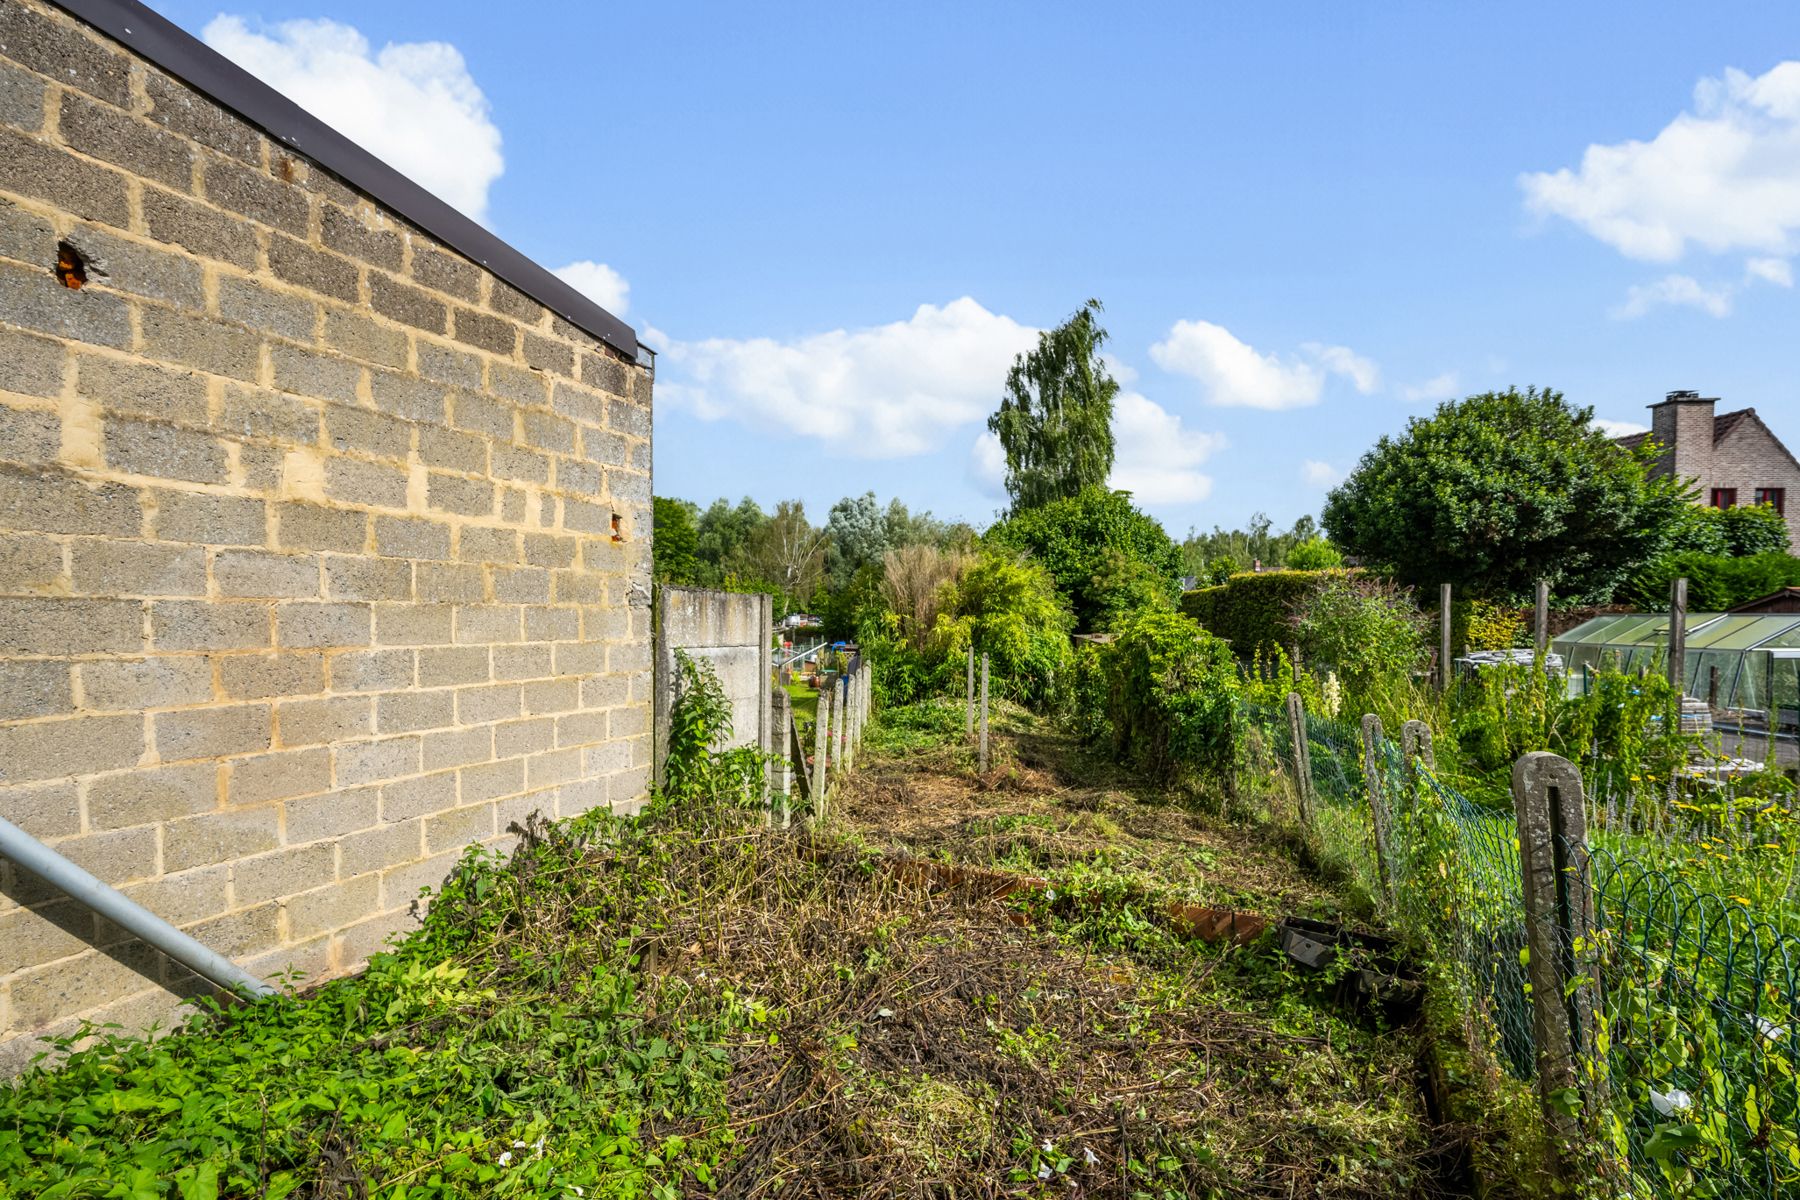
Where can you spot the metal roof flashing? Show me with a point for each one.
(180, 54)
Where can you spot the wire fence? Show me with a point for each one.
(1681, 1004)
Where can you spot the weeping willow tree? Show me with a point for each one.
(1055, 421)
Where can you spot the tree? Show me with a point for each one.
(674, 541)
(724, 540)
(1314, 554)
(1055, 421)
(788, 552)
(1497, 491)
(858, 533)
(1072, 538)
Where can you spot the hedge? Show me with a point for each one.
(1254, 609)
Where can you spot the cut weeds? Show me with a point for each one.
(695, 1004)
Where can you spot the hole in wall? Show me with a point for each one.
(71, 267)
(618, 528)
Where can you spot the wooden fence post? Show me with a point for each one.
(1559, 928)
(1444, 664)
(1303, 776)
(1374, 752)
(1678, 634)
(983, 759)
(1540, 624)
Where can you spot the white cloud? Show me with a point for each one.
(412, 105)
(1233, 373)
(1438, 387)
(1318, 474)
(887, 391)
(1155, 458)
(1770, 270)
(1618, 429)
(1674, 290)
(599, 283)
(987, 465)
(1724, 177)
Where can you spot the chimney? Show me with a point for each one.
(1683, 425)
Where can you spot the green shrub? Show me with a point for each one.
(1368, 631)
(1174, 699)
(1008, 607)
(1254, 611)
(1314, 554)
(1124, 587)
(1715, 582)
(1486, 625)
(1073, 539)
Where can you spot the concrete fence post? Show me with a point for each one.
(781, 759)
(1540, 624)
(1774, 718)
(1415, 746)
(969, 708)
(1374, 755)
(822, 747)
(1302, 753)
(1559, 928)
(984, 714)
(852, 724)
(1444, 664)
(1678, 634)
(841, 720)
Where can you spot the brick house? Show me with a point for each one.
(1733, 458)
(324, 525)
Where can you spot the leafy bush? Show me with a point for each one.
(1314, 554)
(1254, 611)
(1370, 632)
(1737, 532)
(1715, 582)
(1008, 607)
(697, 766)
(1124, 587)
(1174, 699)
(1073, 538)
(1485, 625)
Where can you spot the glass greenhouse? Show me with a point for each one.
(1747, 651)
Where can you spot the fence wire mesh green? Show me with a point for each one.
(1692, 1091)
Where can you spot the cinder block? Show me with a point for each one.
(493, 780)
(627, 790)
(399, 885)
(356, 578)
(293, 964)
(44, 810)
(486, 332)
(204, 517)
(578, 403)
(552, 696)
(487, 704)
(33, 168)
(453, 493)
(577, 587)
(218, 837)
(261, 308)
(320, 722)
(281, 775)
(132, 685)
(547, 354)
(298, 624)
(413, 625)
(349, 332)
(248, 192)
(469, 410)
(408, 305)
(605, 446)
(83, 983)
(411, 537)
(117, 567)
(486, 544)
(315, 527)
(552, 624)
(358, 237)
(521, 585)
(409, 798)
(61, 626)
(331, 814)
(450, 583)
(549, 432)
(311, 373)
(30, 366)
(116, 857)
(261, 573)
(445, 272)
(212, 732)
(622, 484)
(580, 729)
(599, 369)
(282, 872)
(183, 898)
(199, 342)
(408, 397)
(552, 767)
(165, 451)
(103, 132)
(35, 689)
(458, 748)
(524, 737)
(583, 658)
(236, 935)
(124, 385)
(453, 451)
(605, 691)
(208, 625)
(488, 624)
(59, 49)
(513, 663)
(262, 676)
(21, 99)
(525, 466)
(372, 670)
(587, 517)
(384, 846)
(580, 477)
(354, 481)
(197, 227)
(335, 907)
(508, 301)
(410, 712)
(147, 796)
(180, 109)
(449, 666)
(457, 828)
(35, 936)
(375, 762)
(31, 298)
(137, 268)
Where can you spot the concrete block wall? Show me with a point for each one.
(732, 632)
(323, 552)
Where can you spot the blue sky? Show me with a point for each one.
(1306, 223)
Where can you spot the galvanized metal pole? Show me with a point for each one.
(1678, 634)
(39, 860)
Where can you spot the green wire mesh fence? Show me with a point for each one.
(1691, 1087)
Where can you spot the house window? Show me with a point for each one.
(1775, 498)
(1724, 497)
